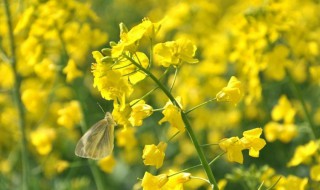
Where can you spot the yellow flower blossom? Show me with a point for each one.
(42, 139)
(34, 99)
(315, 73)
(140, 111)
(125, 138)
(62, 165)
(107, 164)
(303, 153)
(283, 110)
(315, 172)
(175, 52)
(172, 114)
(150, 182)
(128, 39)
(252, 141)
(46, 69)
(284, 132)
(122, 114)
(231, 93)
(154, 155)
(72, 71)
(176, 182)
(233, 146)
(292, 182)
(277, 62)
(7, 78)
(70, 115)
(5, 166)
(126, 68)
(110, 83)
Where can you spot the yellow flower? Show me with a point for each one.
(126, 68)
(175, 52)
(231, 93)
(153, 155)
(233, 146)
(252, 141)
(315, 172)
(72, 71)
(128, 39)
(7, 79)
(62, 165)
(283, 110)
(150, 182)
(46, 69)
(107, 164)
(303, 153)
(172, 114)
(70, 115)
(42, 139)
(5, 167)
(277, 62)
(292, 182)
(284, 132)
(140, 110)
(176, 181)
(122, 114)
(110, 83)
(34, 99)
(125, 138)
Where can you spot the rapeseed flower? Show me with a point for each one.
(154, 155)
(107, 164)
(172, 114)
(140, 111)
(175, 52)
(232, 92)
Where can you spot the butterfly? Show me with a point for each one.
(98, 141)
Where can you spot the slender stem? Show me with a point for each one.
(274, 184)
(173, 136)
(313, 128)
(204, 145)
(147, 94)
(184, 170)
(192, 135)
(202, 104)
(159, 109)
(187, 169)
(216, 158)
(174, 79)
(18, 101)
(200, 178)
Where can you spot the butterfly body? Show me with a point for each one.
(98, 141)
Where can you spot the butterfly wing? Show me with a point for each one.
(97, 142)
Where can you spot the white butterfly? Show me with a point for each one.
(97, 142)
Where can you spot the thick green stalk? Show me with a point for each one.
(194, 140)
(18, 101)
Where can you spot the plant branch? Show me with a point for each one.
(188, 127)
(18, 101)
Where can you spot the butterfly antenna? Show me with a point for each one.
(101, 107)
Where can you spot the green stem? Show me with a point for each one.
(192, 135)
(313, 128)
(202, 104)
(174, 79)
(18, 101)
